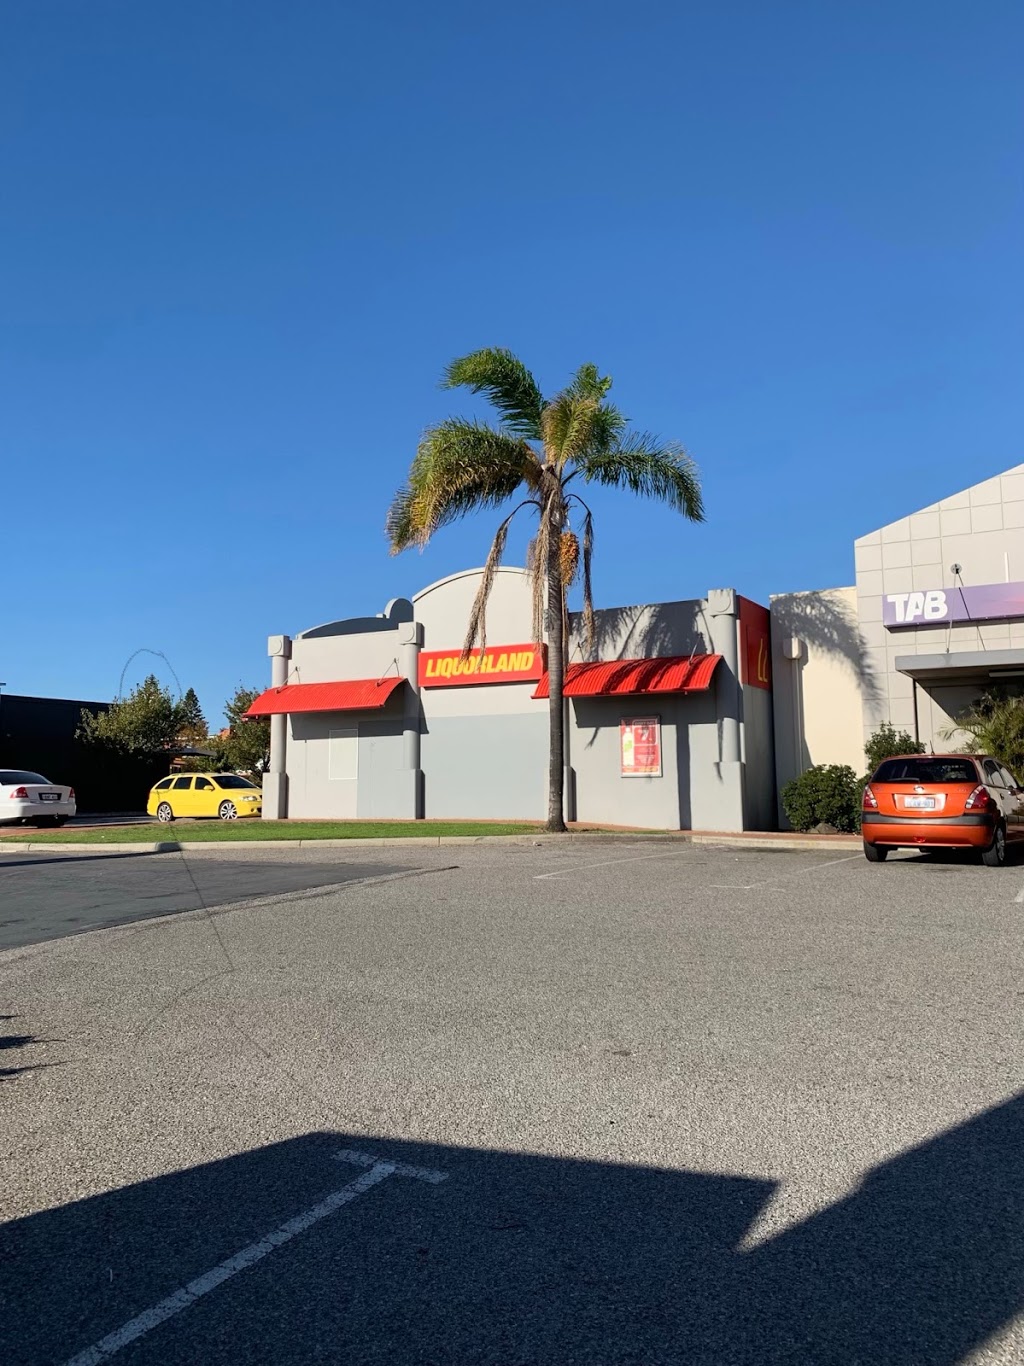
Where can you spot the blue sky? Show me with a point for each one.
(238, 242)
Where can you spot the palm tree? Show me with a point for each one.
(543, 449)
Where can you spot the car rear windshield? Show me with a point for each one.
(927, 769)
(13, 777)
(233, 780)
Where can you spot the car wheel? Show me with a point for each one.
(995, 855)
(874, 853)
(227, 811)
(164, 813)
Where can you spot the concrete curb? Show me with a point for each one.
(141, 847)
(737, 841)
(398, 841)
(795, 842)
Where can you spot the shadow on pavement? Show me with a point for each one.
(9, 1042)
(955, 858)
(16, 1041)
(526, 1259)
(37, 861)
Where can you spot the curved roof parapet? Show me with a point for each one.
(397, 612)
(465, 574)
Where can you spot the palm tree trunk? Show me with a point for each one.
(556, 676)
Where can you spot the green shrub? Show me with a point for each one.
(826, 794)
(887, 741)
(995, 725)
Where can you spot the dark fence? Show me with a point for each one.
(38, 733)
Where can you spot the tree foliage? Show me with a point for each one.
(542, 451)
(246, 746)
(887, 741)
(192, 727)
(995, 725)
(143, 723)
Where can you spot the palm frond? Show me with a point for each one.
(587, 383)
(589, 630)
(538, 569)
(567, 427)
(507, 383)
(459, 467)
(650, 468)
(478, 612)
(606, 428)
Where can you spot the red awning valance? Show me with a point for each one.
(636, 677)
(355, 694)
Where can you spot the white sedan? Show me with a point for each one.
(29, 797)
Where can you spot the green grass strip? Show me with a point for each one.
(227, 832)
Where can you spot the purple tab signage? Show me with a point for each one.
(941, 606)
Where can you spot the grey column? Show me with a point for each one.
(275, 780)
(410, 640)
(717, 799)
(723, 611)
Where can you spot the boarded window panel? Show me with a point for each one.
(343, 747)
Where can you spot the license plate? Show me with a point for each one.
(49, 796)
(920, 803)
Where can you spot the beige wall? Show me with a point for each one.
(982, 529)
(819, 694)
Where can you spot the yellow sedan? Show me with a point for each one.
(224, 795)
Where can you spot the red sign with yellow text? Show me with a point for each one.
(496, 664)
(755, 645)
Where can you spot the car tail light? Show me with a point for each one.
(869, 801)
(979, 800)
(20, 794)
(71, 794)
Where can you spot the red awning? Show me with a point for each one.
(355, 694)
(635, 677)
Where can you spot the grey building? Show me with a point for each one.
(669, 716)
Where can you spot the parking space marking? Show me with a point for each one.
(377, 1171)
(1019, 898)
(586, 867)
(433, 1178)
(771, 882)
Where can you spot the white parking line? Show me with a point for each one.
(771, 882)
(399, 1168)
(1019, 898)
(586, 867)
(719, 886)
(187, 1296)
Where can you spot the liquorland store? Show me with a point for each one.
(683, 715)
(669, 715)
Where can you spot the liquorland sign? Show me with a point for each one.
(496, 664)
(943, 606)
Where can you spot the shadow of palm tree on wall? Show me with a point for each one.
(518, 1258)
(640, 632)
(827, 624)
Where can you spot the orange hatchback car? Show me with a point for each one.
(944, 801)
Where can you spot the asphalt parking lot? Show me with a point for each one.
(606, 1102)
(44, 895)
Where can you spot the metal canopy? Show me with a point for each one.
(963, 666)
